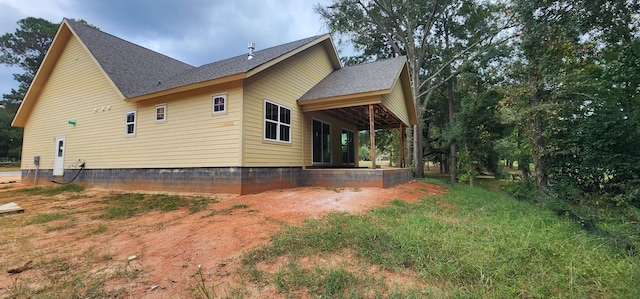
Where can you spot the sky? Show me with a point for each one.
(193, 31)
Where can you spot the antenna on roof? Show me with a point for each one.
(252, 47)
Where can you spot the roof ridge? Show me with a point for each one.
(132, 68)
(123, 40)
(257, 52)
(364, 77)
(231, 66)
(136, 70)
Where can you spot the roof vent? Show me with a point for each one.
(252, 47)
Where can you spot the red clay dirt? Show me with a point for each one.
(169, 246)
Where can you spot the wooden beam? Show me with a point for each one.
(372, 134)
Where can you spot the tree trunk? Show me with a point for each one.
(454, 147)
(539, 161)
(470, 173)
(537, 136)
(418, 155)
(418, 158)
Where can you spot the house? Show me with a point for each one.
(108, 113)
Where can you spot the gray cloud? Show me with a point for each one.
(194, 31)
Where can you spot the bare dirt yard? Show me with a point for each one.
(73, 246)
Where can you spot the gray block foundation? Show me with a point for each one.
(232, 180)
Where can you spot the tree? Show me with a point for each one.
(386, 143)
(480, 124)
(595, 145)
(383, 29)
(556, 38)
(25, 48)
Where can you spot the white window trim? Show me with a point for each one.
(164, 120)
(264, 120)
(126, 123)
(213, 104)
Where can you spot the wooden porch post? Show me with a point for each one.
(372, 135)
(401, 139)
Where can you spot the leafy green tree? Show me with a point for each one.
(556, 38)
(479, 125)
(25, 48)
(597, 138)
(386, 144)
(383, 29)
(10, 138)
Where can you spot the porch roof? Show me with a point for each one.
(347, 93)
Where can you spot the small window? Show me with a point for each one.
(131, 123)
(161, 113)
(277, 122)
(220, 104)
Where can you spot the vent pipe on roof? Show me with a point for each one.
(252, 47)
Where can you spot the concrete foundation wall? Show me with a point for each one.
(233, 180)
(345, 177)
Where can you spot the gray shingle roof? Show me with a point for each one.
(136, 70)
(132, 68)
(367, 77)
(232, 66)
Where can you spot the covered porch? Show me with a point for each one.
(369, 97)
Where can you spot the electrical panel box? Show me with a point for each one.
(36, 160)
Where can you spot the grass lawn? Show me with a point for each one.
(469, 243)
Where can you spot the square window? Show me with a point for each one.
(161, 113)
(277, 122)
(219, 104)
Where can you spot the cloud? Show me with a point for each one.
(194, 31)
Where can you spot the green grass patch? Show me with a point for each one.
(70, 223)
(228, 211)
(126, 205)
(99, 229)
(47, 217)
(51, 190)
(337, 282)
(61, 277)
(471, 242)
(201, 203)
(165, 203)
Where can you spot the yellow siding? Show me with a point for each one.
(395, 102)
(78, 90)
(283, 84)
(336, 134)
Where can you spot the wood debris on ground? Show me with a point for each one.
(11, 207)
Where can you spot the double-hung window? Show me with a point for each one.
(277, 122)
(130, 124)
(161, 113)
